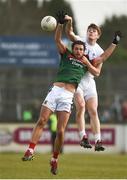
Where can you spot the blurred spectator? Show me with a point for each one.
(124, 110)
(35, 109)
(27, 115)
(106, 116)
(116, 109)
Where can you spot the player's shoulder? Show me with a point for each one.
(68, 52)
(98, 47)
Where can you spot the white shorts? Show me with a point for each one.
(59, 99)
(87, 88)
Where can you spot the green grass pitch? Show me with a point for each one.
(71, 166)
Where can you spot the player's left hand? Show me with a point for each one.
(84, 60)
(61, 17)
(117, 37)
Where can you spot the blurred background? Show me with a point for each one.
(29, 61)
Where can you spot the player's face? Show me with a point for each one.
(92, 34)
(78, 51)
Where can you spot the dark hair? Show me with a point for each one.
(78, 42)
(94, 26)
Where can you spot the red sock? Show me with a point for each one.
(32, 145)
(55, 155)
(85, 136)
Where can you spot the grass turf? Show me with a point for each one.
(71, 166)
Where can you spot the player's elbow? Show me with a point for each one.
(97, 73)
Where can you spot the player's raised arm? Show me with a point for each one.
(58, 33)
(108, 52)
(69, 29)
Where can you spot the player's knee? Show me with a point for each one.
(93, 112)
(42, 121)
(80, 108)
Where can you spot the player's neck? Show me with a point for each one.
(91, 42)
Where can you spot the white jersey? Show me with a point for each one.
(86, 82)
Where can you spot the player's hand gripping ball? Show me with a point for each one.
(48, 23)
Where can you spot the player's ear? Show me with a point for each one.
(98, 36)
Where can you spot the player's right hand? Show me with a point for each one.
(68, 18)
(117, 37)
(84, 60)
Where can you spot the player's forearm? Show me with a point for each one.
(58, 33)
(69, 30)
(93, 70)
(103, 57)
(108, 52)
(69, 27)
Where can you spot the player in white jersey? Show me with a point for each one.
(86, 94)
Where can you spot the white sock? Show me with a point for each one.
(81, 134)
(97, 137)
